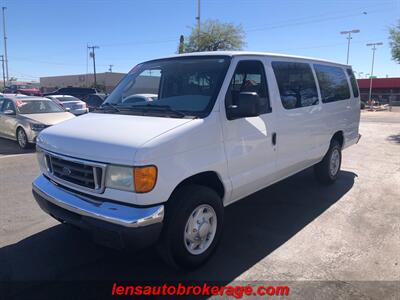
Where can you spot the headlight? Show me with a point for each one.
(120, 178)
(41, 160)
(135, 179)
(37, 126)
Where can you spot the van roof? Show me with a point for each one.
(251, 53)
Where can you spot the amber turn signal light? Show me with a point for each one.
(145, 178)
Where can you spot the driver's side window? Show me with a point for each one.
(249, 76)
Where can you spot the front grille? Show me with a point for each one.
(75, 172)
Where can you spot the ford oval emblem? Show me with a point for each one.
(66, 171)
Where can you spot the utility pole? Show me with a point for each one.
(110, 68)
(348, 41)
(372, 66)
(2, 66)
(93, 56)
(5, 41)
(87, 64)
(198, 21)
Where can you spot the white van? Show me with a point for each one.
(223, 125)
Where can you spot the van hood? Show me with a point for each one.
(108, 138)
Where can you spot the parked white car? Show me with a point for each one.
(139, 98)
(71, 104)
(224, 125)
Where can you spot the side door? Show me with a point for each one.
(298, 115)
(248, 141)
(7, 122)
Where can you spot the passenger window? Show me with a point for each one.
(296, 84)
(332, 83)
(8, 105)
(353, 82)
(1, 104)
(249, 76)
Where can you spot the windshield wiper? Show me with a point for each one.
(158, 108)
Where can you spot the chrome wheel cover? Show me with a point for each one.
(200, 229)
(22, 138)
(334, 163)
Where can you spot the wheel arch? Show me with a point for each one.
(210, 179)
(339, 137)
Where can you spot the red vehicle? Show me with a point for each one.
(23, 89)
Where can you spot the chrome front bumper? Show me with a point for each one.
(119, 214)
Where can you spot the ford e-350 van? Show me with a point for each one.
(222, 125)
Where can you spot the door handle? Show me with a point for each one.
(273, 138)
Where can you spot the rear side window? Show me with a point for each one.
(353, 82)
(249, 77)
(296, 84)
(332, 83)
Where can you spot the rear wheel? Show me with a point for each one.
(192, 228)
(328, 169)
(22, 139)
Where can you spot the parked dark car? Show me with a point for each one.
(78, 92)
(93, 101)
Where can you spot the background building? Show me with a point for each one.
(105, 81)
(384, 90)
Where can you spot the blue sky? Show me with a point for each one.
(49, 37)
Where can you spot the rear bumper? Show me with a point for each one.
(109, 223)
(80, 111)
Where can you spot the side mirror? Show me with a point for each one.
(67, 109)
(247, 105)
(9, 112)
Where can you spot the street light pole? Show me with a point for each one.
(2, 66)
(5, 41)
(198, 21)
(373, 45)
(93, 56)
(349, 32)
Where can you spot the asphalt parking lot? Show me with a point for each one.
(296, 230)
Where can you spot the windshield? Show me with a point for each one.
(176, 87)
(63, 99)
(37, 106)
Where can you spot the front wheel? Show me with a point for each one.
(192, 228)
(327, 171)
(22, 139)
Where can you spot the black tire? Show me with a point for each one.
(322, 170)
(179, 208)
(22, 139)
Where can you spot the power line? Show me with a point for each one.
(317, 20)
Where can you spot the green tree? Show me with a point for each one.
(394, 37)
(215, 36)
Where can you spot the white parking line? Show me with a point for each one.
(14, 155)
